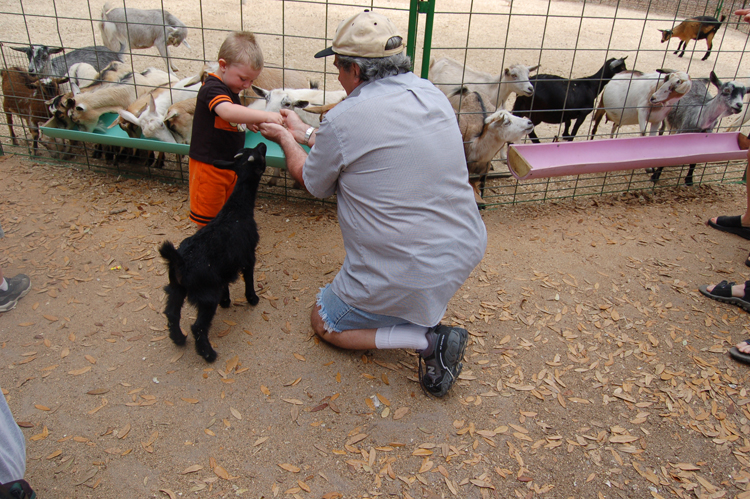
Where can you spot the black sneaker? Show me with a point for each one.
(442, 359)
(18, 287)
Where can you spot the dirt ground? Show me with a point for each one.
(595, 368)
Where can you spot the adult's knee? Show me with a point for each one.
(316, 321)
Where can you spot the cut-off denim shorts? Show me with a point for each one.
(338, 316)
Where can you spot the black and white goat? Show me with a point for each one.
(41, 63)
(699, 111)
(558, 100)
(206, 262)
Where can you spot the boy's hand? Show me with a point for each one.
(274, 118)
(745, 13)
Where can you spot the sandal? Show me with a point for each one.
(740, 356)
(723, 292)
(732, 224)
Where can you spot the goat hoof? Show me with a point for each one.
(177, 337)
(206, 352)
(689, 182)
(225, 303)
(253, 300)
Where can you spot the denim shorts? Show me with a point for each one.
(338, 316)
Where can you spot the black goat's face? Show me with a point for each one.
(253, 158)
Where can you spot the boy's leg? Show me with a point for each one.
(209, 187)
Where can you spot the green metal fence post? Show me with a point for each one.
(417, 7)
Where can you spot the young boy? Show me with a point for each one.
(219, 124)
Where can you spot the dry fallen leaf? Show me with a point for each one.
(289, 467)
(235, 413)
(192, 469)
(78, 372)
(400, 413)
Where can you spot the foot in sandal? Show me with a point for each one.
(741, 352)
(729, 292)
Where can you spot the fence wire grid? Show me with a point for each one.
(569, 39)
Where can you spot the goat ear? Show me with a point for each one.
(56, 50)
(60, 81)
(151, 104)
(128, 116)
(192, 81)
(173, 113)
(263, 93)
(534, 68)
(715, 80)
(75, 89)
(25, 50)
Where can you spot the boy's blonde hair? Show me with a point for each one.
(240, 47)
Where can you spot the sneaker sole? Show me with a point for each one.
(9, 306)
(12, 304)
(456, 347)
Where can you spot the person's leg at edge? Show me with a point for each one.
(738, 291)
(745, 216)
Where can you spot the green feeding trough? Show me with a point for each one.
(116, 136)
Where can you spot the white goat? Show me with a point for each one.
(449, 75)
(87, 107)
(485, 131)
(271, 78)
(632, 97)
(296, 99)
(151, 119)
(142, 29)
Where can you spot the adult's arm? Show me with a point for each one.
(295, 155)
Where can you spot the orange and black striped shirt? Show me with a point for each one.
(213, 137)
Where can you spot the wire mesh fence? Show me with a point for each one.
(567, 39)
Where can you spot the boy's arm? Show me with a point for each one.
(234, 113)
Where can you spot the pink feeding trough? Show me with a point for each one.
(555, 159)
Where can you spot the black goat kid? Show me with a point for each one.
(558, 100)
(206, 262)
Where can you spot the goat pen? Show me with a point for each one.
(570, 39)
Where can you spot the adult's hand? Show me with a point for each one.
(274, 132)
(745, 13)
(295, 125)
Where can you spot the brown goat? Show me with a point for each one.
(695, 28)
(25, 96)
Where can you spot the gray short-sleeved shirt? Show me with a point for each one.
(393, 154)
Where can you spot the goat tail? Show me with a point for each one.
(169, 253)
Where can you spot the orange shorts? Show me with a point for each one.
(210, 188)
